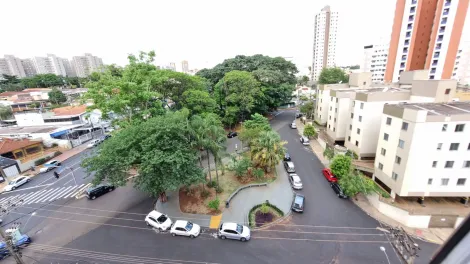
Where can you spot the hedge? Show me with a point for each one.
(250, 223)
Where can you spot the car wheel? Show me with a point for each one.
(28, 180)
(93, 197)
(192, 236)
(242, 239)
(173, 234)
(338, 195)
(110, 189)
(223, 237)
(148, 224)
(13, 188)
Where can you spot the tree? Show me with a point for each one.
(307, 109)
(160, 148)
(303, 98)
(354, 183)
(214, 140)
(268, 150)
(5, 112)
(302, 80)
(329, 153)
(253, 127)
(309, 131)
(341, 165)
(56, 96)
(198, 102)
(332, 75)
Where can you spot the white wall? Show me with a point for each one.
(323, 101)
(422, 99)
(29, 119)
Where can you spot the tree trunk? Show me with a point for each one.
(209, 165)
(216, 171)
(163, 197)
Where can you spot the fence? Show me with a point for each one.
(227, 203)
(86, 137)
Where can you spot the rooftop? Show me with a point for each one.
(381, 90)
(26, 130)
(13, 93)
(69, 110)
(6, 162)
(8, 145)
(446, 109)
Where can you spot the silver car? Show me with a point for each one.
(234, 231)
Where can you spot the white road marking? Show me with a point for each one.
(80, 190)
(47, 195)
(34, 196)
(41, 195)
(68, 192)
(58, 194)
(37, 186)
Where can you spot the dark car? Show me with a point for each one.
(96, 191)
(338, 190)
(287, 157)
(297, 115)
(105, 137)
(298, 203)
(232, 134)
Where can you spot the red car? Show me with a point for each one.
(329, 176)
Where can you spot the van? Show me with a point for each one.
(289, 165)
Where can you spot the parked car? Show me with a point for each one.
(20, 241)
(232, 134)
(158, 220)
(287, 157)
(103, 138)
(304, 140)
(293, 125)
(50, 165)
(289, 165)
(234, 231)
(96, 191)
(297, 115)
(329, 175)
(185, 228)
(16, 183)
(299, 203)
(295, 181)
(94, 143)
(339, 192)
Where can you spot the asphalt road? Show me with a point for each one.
(111, 229)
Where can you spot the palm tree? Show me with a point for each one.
(215, 141)
(268, 150)
(198, 134)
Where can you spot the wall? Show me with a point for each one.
(29, 119)
(371, 117)
(321, 113)
(27, 165)
(459, 221)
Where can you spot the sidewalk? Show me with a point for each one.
(279, 193)
(316, 147)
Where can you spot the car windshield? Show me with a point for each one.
(297, 181)
(299, 200)
(239, 229)
(12, 183)
(162, 218)
(189, 226)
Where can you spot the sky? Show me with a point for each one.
(202, 32)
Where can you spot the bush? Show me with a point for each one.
(211, 184)
(241, 166)
(57, 153)
(264, 208)
(55, 145)
(214, 204)
(258, 173)
(352, 154)
(219, 189)
(328, 153)
(309, 131)
(40, 161)
(341, 166)
(205, 193)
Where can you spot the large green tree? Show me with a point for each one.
(56, 96)
(332, 76)
(160, 148)
(253, 127)
(198, 101)
(354, 183)
(307, 109)
(5, 112)
(267, 150)
(341, 165)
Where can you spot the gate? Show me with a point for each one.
(442, 221)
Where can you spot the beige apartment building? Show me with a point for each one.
(424, 149)
(339, 113)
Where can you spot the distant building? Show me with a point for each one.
(375, 61)
(462, 64)
(85, 65)
(324, 42)
(173, 66)
(28, 67)
(11, 65)
(49, 65)
(185, 66)
(69, 70)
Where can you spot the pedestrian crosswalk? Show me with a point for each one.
(44, 196)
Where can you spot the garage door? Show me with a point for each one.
(442, 221)
(11, 171)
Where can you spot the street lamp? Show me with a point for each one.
(383, 250)
(33, 214)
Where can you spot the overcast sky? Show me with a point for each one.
(202, 32)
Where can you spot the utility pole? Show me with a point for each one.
(5, 209)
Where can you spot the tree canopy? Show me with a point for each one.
(56, 96)
(253, 127)
(332, 76)
(341, 165)
(268, 150)
(198, 101)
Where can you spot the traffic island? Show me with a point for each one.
(263, 214)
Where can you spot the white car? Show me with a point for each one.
(185, 228)
(234, 231)
(295, 181)
(16, 183)
(158, 220)
(304, 140)
(293, 125)
(50, 165)
(93, 143)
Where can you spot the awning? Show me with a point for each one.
(59, 133)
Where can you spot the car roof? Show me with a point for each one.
(299, 195)
(180, 223)
(231, 226)
(155, 214)
(290, 163)
(51, 161)
(295, 177)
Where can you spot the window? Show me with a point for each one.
(336, 99)
(383, 151)
(449, 164)
(434, 164)
(404, 126)
(352, 115)
(336, 110)
(350, 127)
(459, 127)
(401, 143)
(394, 176)
(331, 108)
(357, 143)
(439, 146)
(447, 91)
(335, 119)
(430, 181)
(444, 128)
(389, 120)
(349, 138)
(466, 164)
(381, 166)
(385, 136)
(358, 131)
(454, 146)
(468, 148)
(330, 117)
(354, 103)
(444, 181)
(397, 160)
(362, 105)
(461, 182)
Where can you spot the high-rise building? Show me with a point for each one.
(69, 70)
(11, 65)
(324, 42)
(85, 65)
(462, 64)
(425, 35)
(185, 66)
(28, 67)
(173, 66)
(56, 65)
(49, 65)
(375, 61)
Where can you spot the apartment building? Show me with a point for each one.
(69, 70)
(324, 42)
(338, 112)
(424, 149)
(49, 65)
(462, 64)
(375, 61)
(11, 65)
(185, 66)
(28, 67)
(425, 35)
(85, 65)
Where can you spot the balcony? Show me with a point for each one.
(447, 3)
(403, 58)
(438, 46)
(433, 71)
(434, 64)
(444, 21)
(440, 38)
(446, 12)
(408, 34)
(442, 30)
(409, 27)
(413, 2)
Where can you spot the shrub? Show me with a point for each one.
(55, 145)
(352, 154)
(214, 204)
(205, 193)
(241, 167)
(258, 173)
(219, 189)
(211, 184)
(40, 161)
(264, 208)
(341, 166)
(328, 153)
(57, 153)
(309, 131)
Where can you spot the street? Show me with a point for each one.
(111, 229)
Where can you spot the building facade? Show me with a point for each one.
(375, 61)
(10, 65)
(85, 65)
(324, 42)
(28, 67)
(462, 64)
(69, 70)
(185, 66)
(423, 149)
(425, 35)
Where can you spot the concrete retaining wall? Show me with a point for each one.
(459, 221)
(321, 142)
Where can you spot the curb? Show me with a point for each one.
(273, 223)
(79, 194)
